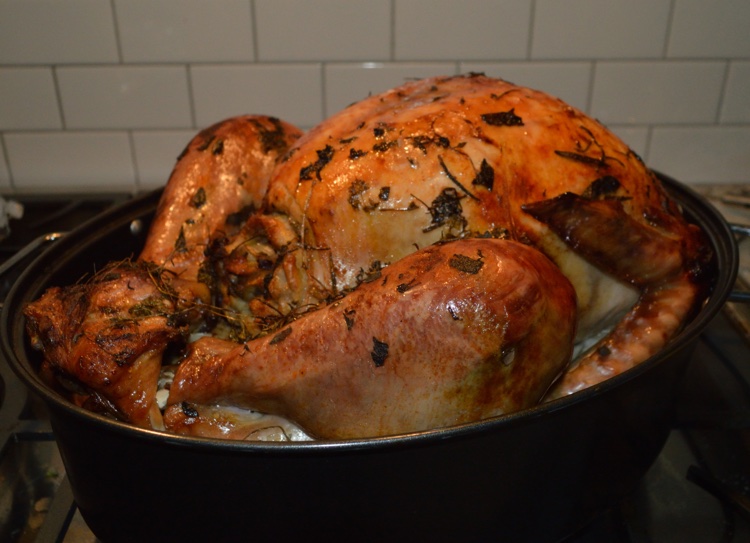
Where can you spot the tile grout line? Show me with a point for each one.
(323, 90)
(392, 40)
(6, 157)
(116, 27)
(532, 25)
(134, 159)
(191, 96)
(58, 98)
(592, 79)
(254, 31)
(668, 31)
(723, 93)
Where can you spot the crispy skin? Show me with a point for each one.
(453, 333)
(277, 225)
(106, 337)
(465, 156)
(91, 338)
(223, 171)
(668, 270)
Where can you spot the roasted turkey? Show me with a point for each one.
(302, 252)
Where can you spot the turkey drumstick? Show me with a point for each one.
(452, 333)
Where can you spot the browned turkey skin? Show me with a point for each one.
(105, 338)
(470, 156)
(219, 180)
(321, 217)
(453, 333)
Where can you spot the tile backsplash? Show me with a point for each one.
(102, 95)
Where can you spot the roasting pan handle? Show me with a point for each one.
(739, 295)
(37, 244)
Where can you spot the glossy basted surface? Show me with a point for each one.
(439, 159)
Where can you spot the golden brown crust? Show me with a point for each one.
(453, 333)
(223, 171)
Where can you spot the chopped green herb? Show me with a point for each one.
(485, 177)
(454, 179)
(281, 336)
(583, 159)
(446, 209)
(404, 287)
(349, 318)
(325, 155)
(379, 352)
(383, 146)
(357, 196)
(602, 188)
(466, 264)
(180, 245)
(503, 118)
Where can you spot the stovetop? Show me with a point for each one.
(697, 491)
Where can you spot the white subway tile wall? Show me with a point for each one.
(291, 91)
(469, 29)
(121, 97)
(600, 29)
(102, 95)
(185, 31)
(322, 30)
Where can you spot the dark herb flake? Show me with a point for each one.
(358, 196)
(371, 274)
(324, 157)
(383, 146)
(466, 264)
(454, 179)
(149, 307)
(379, 352)
(583, 159)
(199, 198)
(349, 318)
(218, 147)
(188, 410)
(602, 188)
(485, 177)
(404, 287)
(281, 336)
(271, 139)
(446, 209)
(503, 118)
(180, 245)
(423, 142)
